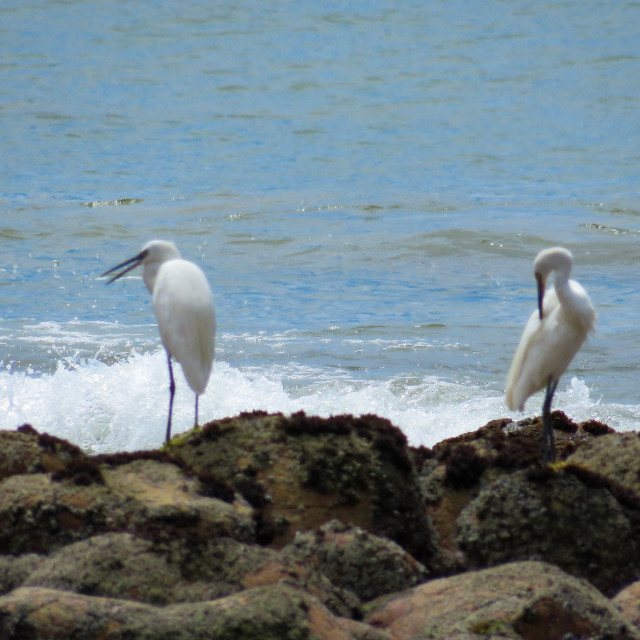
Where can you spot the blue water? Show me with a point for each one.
(365, 185)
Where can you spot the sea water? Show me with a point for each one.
(364, 184)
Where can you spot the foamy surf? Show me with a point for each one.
(121, 405)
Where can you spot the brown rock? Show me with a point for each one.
(169, 498)
(528, 600)
(311, 470)
(38, 513)
(453, 474)
(269, 613)
(628, 603)
(27, 451)
(518, 443)
(19, 453)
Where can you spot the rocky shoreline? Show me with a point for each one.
(271, 527)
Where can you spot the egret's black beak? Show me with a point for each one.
(130, 264)
(541, 288)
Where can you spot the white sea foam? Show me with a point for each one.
(122, 406)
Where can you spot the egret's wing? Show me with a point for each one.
(513, 396)
(526, 375)
(184, 310)
(582, 310)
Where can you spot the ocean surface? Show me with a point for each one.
(365, 184)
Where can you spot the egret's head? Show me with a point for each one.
(159, 251)
(556, 259)
(153, 253)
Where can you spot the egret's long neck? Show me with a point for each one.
(561, 284)
(149, 274)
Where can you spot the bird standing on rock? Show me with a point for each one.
(551, 338)
(183, 306)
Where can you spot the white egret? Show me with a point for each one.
(183, 306)
(551, 338)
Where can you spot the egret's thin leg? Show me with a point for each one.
(195, 424)
(172, 391)
(548, 447)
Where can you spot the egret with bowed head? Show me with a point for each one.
(551, 338)
(183, 306)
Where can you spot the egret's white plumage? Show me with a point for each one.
(183, 306)
(551, 337)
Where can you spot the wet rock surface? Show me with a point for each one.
(266, 526)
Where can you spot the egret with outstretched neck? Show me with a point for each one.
(551, 338)
(183, 306)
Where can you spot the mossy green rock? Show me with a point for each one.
(614, 455)
(357, 560)
(568, 516)
(304, 471)
(266, 526)
(14, 570)
(40, 512)
(458, 469)
(120, 565)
